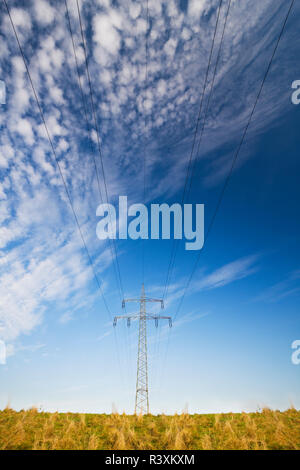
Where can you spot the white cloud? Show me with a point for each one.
(134, 10)
(196, 7)
(34, 279)
(66, 317)
(101, 337)
(161, 87)
(21, 98)
(39, 157)
(21, 18)
(54, 127)
(24, 128)
(170, 47)
(6, 153)
(44, 12)
(279, 291)
(228, 273)
(105, 32)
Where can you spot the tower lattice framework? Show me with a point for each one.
(142, 390)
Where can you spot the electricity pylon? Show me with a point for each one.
(141, 395)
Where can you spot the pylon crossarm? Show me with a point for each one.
(148, 299)
(133, 316)
(159, 317)
(145, 299)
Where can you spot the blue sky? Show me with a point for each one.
(230, 346)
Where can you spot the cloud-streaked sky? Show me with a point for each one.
(230, 346)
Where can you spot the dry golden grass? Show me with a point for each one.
(250, 431)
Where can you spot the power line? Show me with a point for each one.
(145, 116)
(202, 129)
(175, 242)
(112, 244)
(112, 241)
(163, 366)
(56, 158)
(85, 107)
(208, 100)
(228, 177)
(236, 155)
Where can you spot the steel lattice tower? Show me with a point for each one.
(141, 395)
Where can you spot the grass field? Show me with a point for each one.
(39, 430)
